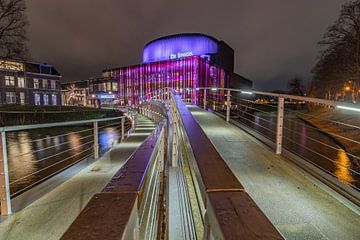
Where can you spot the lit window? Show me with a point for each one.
(36, 83)
(53, 84)
(22, 98)
(108, 86)
(54, 99)
(45, 83)
(21, 82)
(10, 97)
(9, 80)
(114, 86)
(46, 99)
(37, 98)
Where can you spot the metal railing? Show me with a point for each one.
(213, 196)
(210, 195)
(322, 136)
(31, 154)
(134, 193)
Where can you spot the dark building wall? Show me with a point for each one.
(239, 82)
(22, 88)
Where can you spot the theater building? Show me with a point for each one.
(183, 62)
(29, 83)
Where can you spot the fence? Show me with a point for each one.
(31, 154)
(320, 135)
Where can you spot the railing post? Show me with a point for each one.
(4, 178)
(122, 128)
(96, 140)
(228, 105)
(279, 127)
(204, 99)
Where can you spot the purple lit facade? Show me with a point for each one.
(183, 75)
(183, 62)
(173, 47)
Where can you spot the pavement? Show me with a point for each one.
(298, 205)
(49, 216)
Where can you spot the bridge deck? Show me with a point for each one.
(297, 204)
(50, 216)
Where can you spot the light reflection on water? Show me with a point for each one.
(310, 144)
(31, 160)
(342, 167)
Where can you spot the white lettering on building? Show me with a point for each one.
(181, 55)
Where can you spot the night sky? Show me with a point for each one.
(273, 40)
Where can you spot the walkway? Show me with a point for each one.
(48, 217)
(298, 205)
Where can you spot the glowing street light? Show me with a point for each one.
(349, 108)
(247, 92)
(214, 89)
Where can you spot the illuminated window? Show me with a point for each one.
(10, 97)
(37, 99)
(114, 86)
(53, 84)
(54, 99)
(22, 98)
(9, 80)
(36, 83)
(45, 83)
(46, 99)
(21, 82)
(108, 86)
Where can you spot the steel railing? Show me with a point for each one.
(320, 135)
(31, 154)
(134, 194)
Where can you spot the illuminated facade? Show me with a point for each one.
(183, 62)
(29, 83)
(182, 74)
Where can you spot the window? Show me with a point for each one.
(45, 83)
(37, 98)
(10, 97)
(21, 82)
(54, 99)
(114, 86)
(22, 98)
(36, 83)
(108, 86)
(9, 80)
(53, 84)
(46, 99)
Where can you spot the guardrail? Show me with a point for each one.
(226, 210)
(31, 154)
(321, 136)
(130, 205)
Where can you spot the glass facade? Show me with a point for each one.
(183, 75)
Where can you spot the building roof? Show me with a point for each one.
(179, 45)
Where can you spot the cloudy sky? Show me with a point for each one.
(273, 40)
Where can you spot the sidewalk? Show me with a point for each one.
(48, 217)
(299, 206)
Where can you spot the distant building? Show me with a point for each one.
(183, 62)
(93, 92)
(29, 83)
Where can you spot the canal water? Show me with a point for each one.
(309, 143)
(36, 155)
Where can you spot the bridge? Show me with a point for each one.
(202, 163)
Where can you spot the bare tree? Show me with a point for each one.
(13, 23)
(340, 61)
(295, 86)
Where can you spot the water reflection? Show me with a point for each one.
(343, 164)
(35, 155)
(309, 143)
